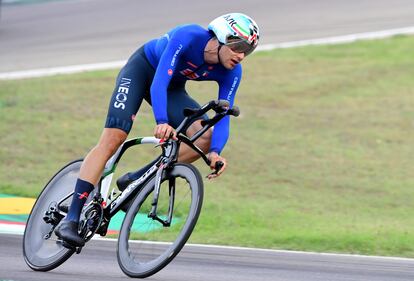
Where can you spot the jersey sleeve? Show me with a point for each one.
(227, 91)
(163, 74)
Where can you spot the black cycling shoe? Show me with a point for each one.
(68, 232)
(124, 181)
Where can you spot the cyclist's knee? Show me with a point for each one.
(110, 140)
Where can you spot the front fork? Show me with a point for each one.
(157, 188)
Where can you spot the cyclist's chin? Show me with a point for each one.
(229, 65)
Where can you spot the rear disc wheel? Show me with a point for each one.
(42, 253)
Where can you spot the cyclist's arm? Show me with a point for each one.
(227, 90)
(163, 74)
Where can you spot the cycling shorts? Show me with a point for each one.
(133, 86)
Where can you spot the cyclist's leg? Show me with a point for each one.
(131, 87)
(95, 160)
(188, 155)
(178, 99)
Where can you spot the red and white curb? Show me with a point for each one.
(7, 227)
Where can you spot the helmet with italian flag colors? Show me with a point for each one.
(236, 30)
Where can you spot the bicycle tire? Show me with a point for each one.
(40, 254)
(128, 249)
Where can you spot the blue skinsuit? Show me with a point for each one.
(177, 57)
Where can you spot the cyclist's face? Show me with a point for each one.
(230, 58)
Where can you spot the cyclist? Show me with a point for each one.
(157, 72)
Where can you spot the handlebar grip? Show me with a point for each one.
(235, 111)
(218, 166)
(223, 103)
(216, 105)
(221, 106)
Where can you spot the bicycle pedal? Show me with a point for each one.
(78, 250)
(103, 228)
(69, 246)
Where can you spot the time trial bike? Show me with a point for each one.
(162, 206)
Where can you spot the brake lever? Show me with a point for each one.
(164, 142)
(217, 168)
(161, 143)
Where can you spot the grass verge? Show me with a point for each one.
(320, 158)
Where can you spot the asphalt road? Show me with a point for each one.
(90, 31)
(70, 32)
(98, 262)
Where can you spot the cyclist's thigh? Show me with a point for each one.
(178, 99)
(132, 86)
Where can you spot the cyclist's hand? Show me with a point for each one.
(214, 158)
(164, 132)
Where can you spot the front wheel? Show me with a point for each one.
(41, 249)
(146, 245)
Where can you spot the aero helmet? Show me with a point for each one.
(236, 30)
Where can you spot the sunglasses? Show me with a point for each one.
(240, 45)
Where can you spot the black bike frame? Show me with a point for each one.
(169, 155)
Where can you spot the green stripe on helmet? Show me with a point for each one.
(241, 30)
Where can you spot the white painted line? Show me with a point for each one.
(19, 230)
(43, 72)
(118, 64)
(340, 39)
(12, 228)
(262, 250)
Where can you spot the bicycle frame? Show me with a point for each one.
(110, 203)
(104, 202)
(169, 155)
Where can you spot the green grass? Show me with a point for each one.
(320, 158)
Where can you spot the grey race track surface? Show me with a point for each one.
(74, 32)
(71, 32)
(98, 262)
